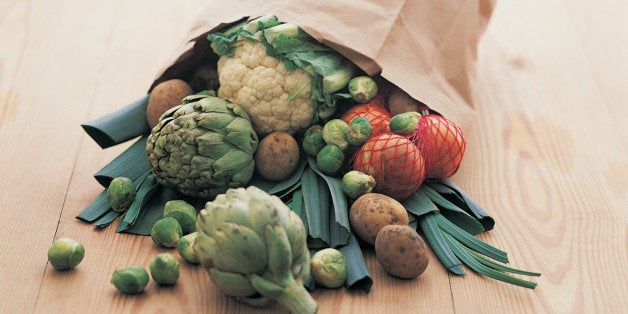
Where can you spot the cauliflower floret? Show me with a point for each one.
(260, 84)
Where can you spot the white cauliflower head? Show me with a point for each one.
(262, 86)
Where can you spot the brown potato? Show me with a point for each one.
(401, 251)
(399, 102)
(277, 156)
(372, 211)
(164, 96)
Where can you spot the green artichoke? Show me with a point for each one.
(254, 249)
(203, 147)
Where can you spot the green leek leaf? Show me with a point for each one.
(453, 212)
(96, 209)
(153, 210)
(132, 163)
(418, 203)
(340, 214)
(358, 275)
(464, 254)
(107, 219)
(119, 126)
(473, 208)
(469, 240)
(316, 199)
(147, 187)
(297, 205)
(437, 242)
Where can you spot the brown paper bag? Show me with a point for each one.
(425, 47)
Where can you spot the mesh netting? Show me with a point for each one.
(442, 144)
(394, 161)
(374, 111)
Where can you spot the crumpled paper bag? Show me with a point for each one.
(425, 47)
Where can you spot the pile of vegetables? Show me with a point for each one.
(286, 141)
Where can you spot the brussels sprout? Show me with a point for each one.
(330, 159)
(329, 268)
(121, 193)
(359, 131)
(334, 132)
(183, 212)
(313, 140)
(405, 123)
(65, 253)
(185, 248)
(362, 89)
(356, 184)
(130, 280)
(164, 269)
(166, 232)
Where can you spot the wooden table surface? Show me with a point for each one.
(547, 158)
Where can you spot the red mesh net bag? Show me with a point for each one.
(374, 111)
(394, 161)
(442, 144)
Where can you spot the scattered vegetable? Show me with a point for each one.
(359, 131)
(401, 251)
(394, 161)
(374, 112)
(183, 212)
(362, 88)
(65, 253)
(203, 147)
(335, 132)
(166, 232)
(121, 193)
(313, 140)
(277, 156)
(164, 269)
(330, 159)
(254, 249)
(164, 96)
(329, 268)
(405, 123)
(371, 212)
(442, 144)
(130, 280)
(186, 249)
(356, 184)
(399, 101)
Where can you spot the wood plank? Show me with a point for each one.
(546, 157)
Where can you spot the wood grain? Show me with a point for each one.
(547, 157)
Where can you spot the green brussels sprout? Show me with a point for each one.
(166, 232)
(330, 159)
(65, 253)
(362, 88)
(313, 140)
(334, 132)
(164, 269)
(356, 184)
(329, 268)
(405, 123)
(130, 280)
(121, 193)
(183, 212)
(185, 248)
(359, 131)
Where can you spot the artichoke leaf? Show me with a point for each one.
(233, 284)
(241, 248)
(279, 252)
